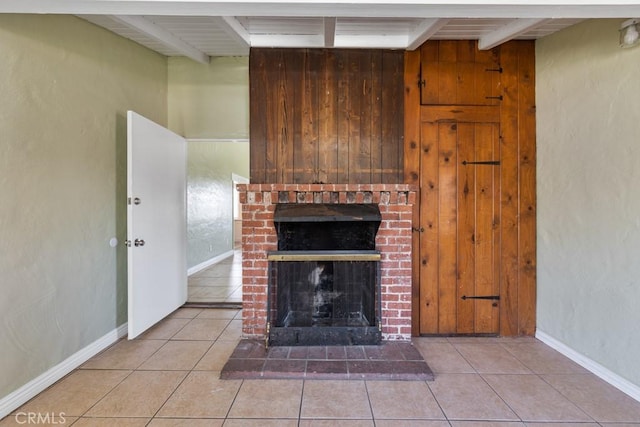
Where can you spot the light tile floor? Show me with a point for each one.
(170, 377)
(219, 283)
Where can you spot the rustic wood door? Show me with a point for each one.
(459, 224)
(459, 102)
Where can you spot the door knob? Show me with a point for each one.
(138, 242)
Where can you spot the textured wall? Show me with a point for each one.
(210, 196)
(209, 101)
(65, 87)
(588, 200)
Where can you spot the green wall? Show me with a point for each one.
(210, 196)
(588, 173)
(211, 102)
(65, 87)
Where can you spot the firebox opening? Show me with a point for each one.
(324, 285)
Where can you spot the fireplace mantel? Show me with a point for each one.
(393, 240)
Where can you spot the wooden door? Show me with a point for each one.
(459, 219)
(457, 99)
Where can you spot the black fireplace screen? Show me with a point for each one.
(324, 281)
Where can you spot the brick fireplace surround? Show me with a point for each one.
(393, 241)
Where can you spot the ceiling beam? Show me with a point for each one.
(339, 8)
(510, 31)
(163, 36)
(234, 29)
(329, 31)
(425, 31)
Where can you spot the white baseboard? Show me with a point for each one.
(612, 378)
(209, 263)
(13, 401)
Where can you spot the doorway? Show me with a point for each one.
(214, 168)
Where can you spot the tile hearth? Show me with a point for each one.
(388, 361)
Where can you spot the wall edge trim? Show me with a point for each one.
(622, 384)
(28, 391)
(209, 262)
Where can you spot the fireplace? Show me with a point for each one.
(324, 286)
(285, 235)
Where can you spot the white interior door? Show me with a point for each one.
(156, 222)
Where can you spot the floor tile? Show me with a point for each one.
(232, 331)
(76, 393)
(532, 399)
(335, 400)
(488, 424)
(442, 357)
(124, 354)
(602, 401)
(402, 399)
(164, 330)
(336, 423)
(217, 355)
(490, 359)
(202, 329)
(260, 423)
(268, 399)
(411, 423)
(111, 422)
(141, 394)
(177, 355)
(469, 397)
(219, 313)
(201, 395)
(185, 422)
(22, 419)
(185, 313)
(542, 359)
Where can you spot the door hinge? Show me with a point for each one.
(421, 84)
(490, 297)
(495, 70)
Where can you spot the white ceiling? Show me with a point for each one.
(200, 29)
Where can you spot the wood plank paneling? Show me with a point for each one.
(430, 232)
(527, 209)
(510, 189)
(488, 98)
(326, 115)
(457, 73)
(411, 150)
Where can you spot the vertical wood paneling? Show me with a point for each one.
(527, 226)
(327, 115)
(257, 118)
(495, 233)
(429, 223)
(456, 73)
(486, 239)
(343, 119)
(466, 222)
(391, 101)
(327, 118)
(411, 154)
(510, 191)
(306, 157)
(447, 219)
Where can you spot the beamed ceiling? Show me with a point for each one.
(202, 29)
